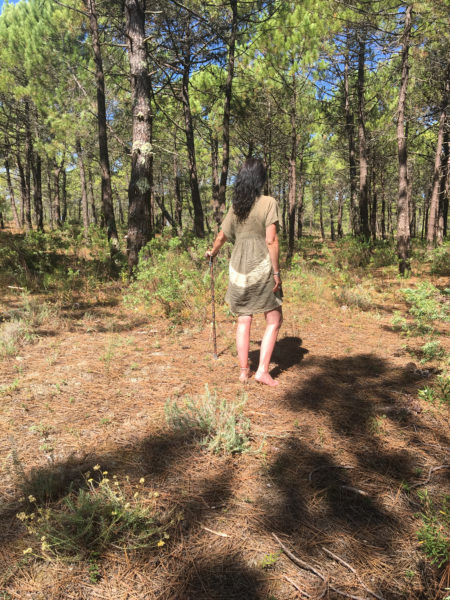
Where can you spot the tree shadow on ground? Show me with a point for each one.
(343, 489)
(288, 352)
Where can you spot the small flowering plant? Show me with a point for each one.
(95, 517)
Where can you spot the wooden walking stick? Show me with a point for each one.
(213, 305)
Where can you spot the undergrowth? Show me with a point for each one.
(434, 534)
(93, 518)
(220, 425)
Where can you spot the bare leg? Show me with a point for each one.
(274, 318)
(244, 323)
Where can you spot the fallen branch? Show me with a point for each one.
(342, 561)
(430, 472)
(349, 488)
(304, 565)
(215, 532)
(296, 587)
(327, 467)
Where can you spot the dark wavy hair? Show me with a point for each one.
(249, 183)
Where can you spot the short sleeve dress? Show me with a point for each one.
(251, 275)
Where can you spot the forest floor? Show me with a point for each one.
(338, 452)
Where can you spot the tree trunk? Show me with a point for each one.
(434, 201)
(226, 114)
(28, 163)
(176, 179)
(443, 190)
(383, 208)
(23, 190)
(301, 205)
(350, 129)
(363, 159)
(64, 193)
(322, 228)
(293, 169)
(11, 194)
(139, 223)
(199, 227)
(84, 199)
(57, 196)
(107, 203)
(49, 194)
(91, 199)
(36, 166)
(332, 233)
(218, 215)
(340, 213)
(373, 215)
(403, 232)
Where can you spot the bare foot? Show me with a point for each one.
(266, 378)
(245, 374)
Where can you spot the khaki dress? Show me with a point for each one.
(251, 274)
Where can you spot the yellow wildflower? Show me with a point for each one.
(28, 551)
(31, 498)
(142, 480)
(97, 468)
(160, 543)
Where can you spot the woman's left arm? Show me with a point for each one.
(274, 253)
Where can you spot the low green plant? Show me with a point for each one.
(439, 392)
(92, 519)
(269, 560)
(432, 350)
(426, 306)
(220, 424)
(351, 252)
(434, 536)
(356, 296)
(440, 259)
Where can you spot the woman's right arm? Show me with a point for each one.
(274, 253)
(218, 243)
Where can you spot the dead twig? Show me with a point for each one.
(215, 532)
(428, 479)
(349, 488)
(342, 561)
(304, 565)
(299, 589)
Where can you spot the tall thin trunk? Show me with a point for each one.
(383, 208)
(373, 214)
(57, 196)
(293, 168)
(226, 114)
(177, 184)
(443, 189)
(64, 193)
(301, 204)
(215, 185)
(350, 129)
(91, 197)
(403, 232)
(340, 213)
(332, 232)
(23, 190)
(107, 202)
(28, 162)
(363, 158)
(84, 200)
(199, 227)
(284, 211)
(36, 166)
(11, 194)
(49, 194)
(434, 200)
(139, 223)
(322, 228)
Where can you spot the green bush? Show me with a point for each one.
(93, 518)
(440, 259)
(174, 274)
(434, 535)
(356, 296)
(426, 306)
(351, 252)
(439, 392)
(432, 350)
(384, 254)
(220, 425)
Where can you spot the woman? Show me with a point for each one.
(255, 282)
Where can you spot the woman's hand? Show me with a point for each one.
(209, 254)
(277, 282)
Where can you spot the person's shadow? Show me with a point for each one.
(287, 353)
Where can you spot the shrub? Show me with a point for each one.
(440, 259)
(384, 254)
(175, 276)
(431, 350)
(353, 297)
(434, 534)
(220, 425)
(426, 306)
(92, 519)
(351, 252)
